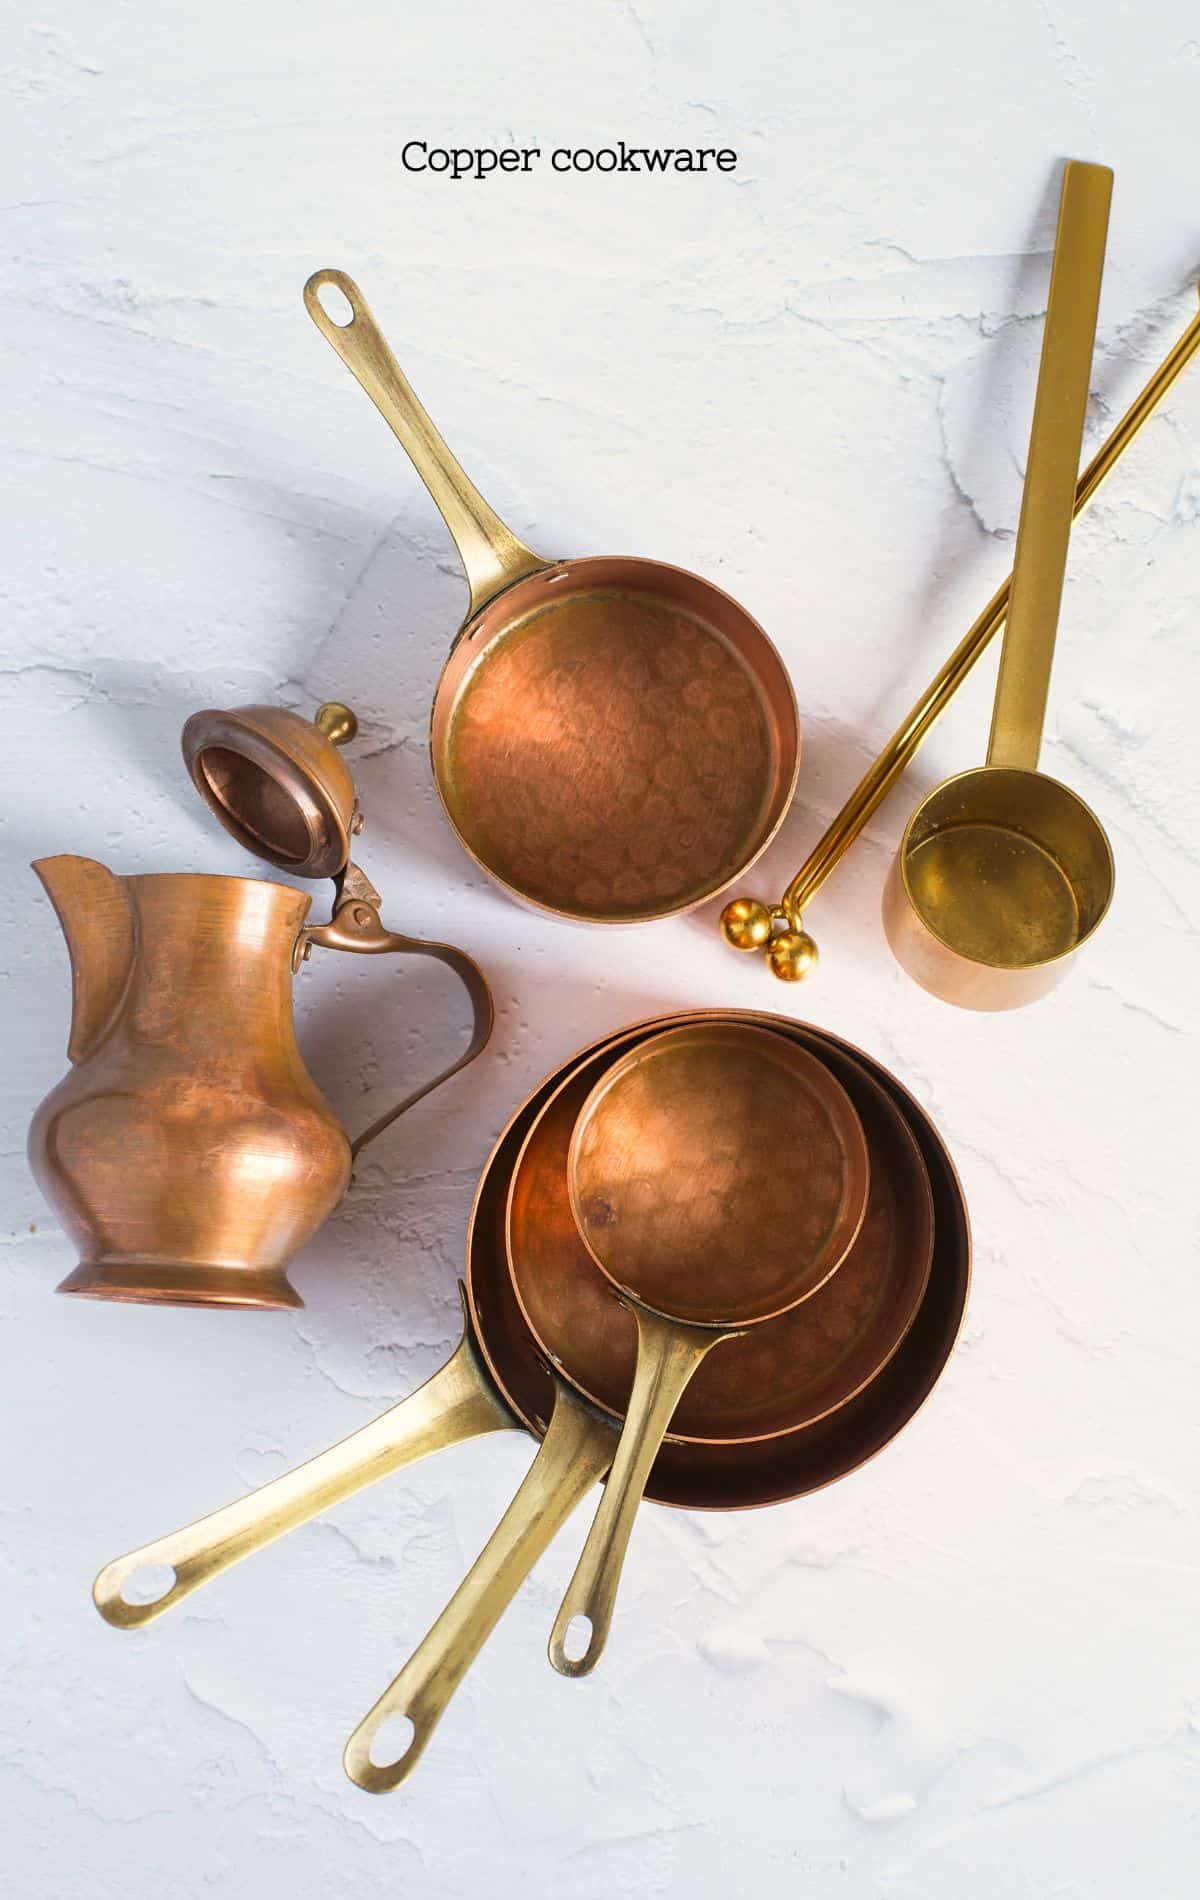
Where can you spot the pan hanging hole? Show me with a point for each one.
(391, 1741)
(336, 305)
(578, 1638)
(149, 1584)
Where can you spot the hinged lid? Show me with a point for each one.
(277, 782)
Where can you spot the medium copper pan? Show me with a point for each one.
(613, 739)
(792, 1371)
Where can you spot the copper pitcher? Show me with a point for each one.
(188, 1152)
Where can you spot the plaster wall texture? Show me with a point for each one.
(972, 1667)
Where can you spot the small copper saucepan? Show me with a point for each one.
(613, 739)
(718, 1176)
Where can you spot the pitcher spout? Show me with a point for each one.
(93, 907)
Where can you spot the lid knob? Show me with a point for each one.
(337, 722)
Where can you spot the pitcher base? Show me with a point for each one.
(152, 1283)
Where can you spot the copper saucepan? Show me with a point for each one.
(792, 1371)
(718, 1176)
(613, 739)
(1003, 874)
(498, 1379)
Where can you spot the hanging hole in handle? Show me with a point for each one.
(577, 1638)
(336, 305)
(150, 1583)
(391, 1741)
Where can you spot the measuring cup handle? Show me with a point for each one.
(357, 926)
(574, 1454)
(490, 552)
(456, 1404)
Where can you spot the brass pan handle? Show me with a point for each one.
(575, 1453)
(490, 552)
(356, 925)
(669, 1352)
(456, 1404)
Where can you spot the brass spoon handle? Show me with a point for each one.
(880, 777)
(575, 1453)
(668, 1355)
(490, 552)
(456, 1404)
(1047, 500)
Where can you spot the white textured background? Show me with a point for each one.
(972, 1668)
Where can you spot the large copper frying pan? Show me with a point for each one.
(498, 1380)
(613, 739)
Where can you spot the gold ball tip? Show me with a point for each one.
(337, 722)
(792, 956)
(746, 924)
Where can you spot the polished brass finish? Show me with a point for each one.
(742, 920)
(575, 1453)
(456, 1404)
(514, 1386)
(792, 956)
(777, 1377)
(613, 740)
(188, 1152)
(1002, 873)
(718, 1176)
(338, 722)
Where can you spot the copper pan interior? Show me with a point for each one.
(767, 1471)
(787, 1373)
(614, 739)
(718, 1173)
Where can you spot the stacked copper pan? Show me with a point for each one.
(547, 1348)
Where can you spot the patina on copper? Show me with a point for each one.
(613, 739)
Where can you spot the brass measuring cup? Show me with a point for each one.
(718, 1176)
(1002, 873)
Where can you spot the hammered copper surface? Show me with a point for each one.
(786, 1373)
(611, 754)
(740, 1475)
(718, 1174)
(612, 739)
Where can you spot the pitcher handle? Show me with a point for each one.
(356, 925)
